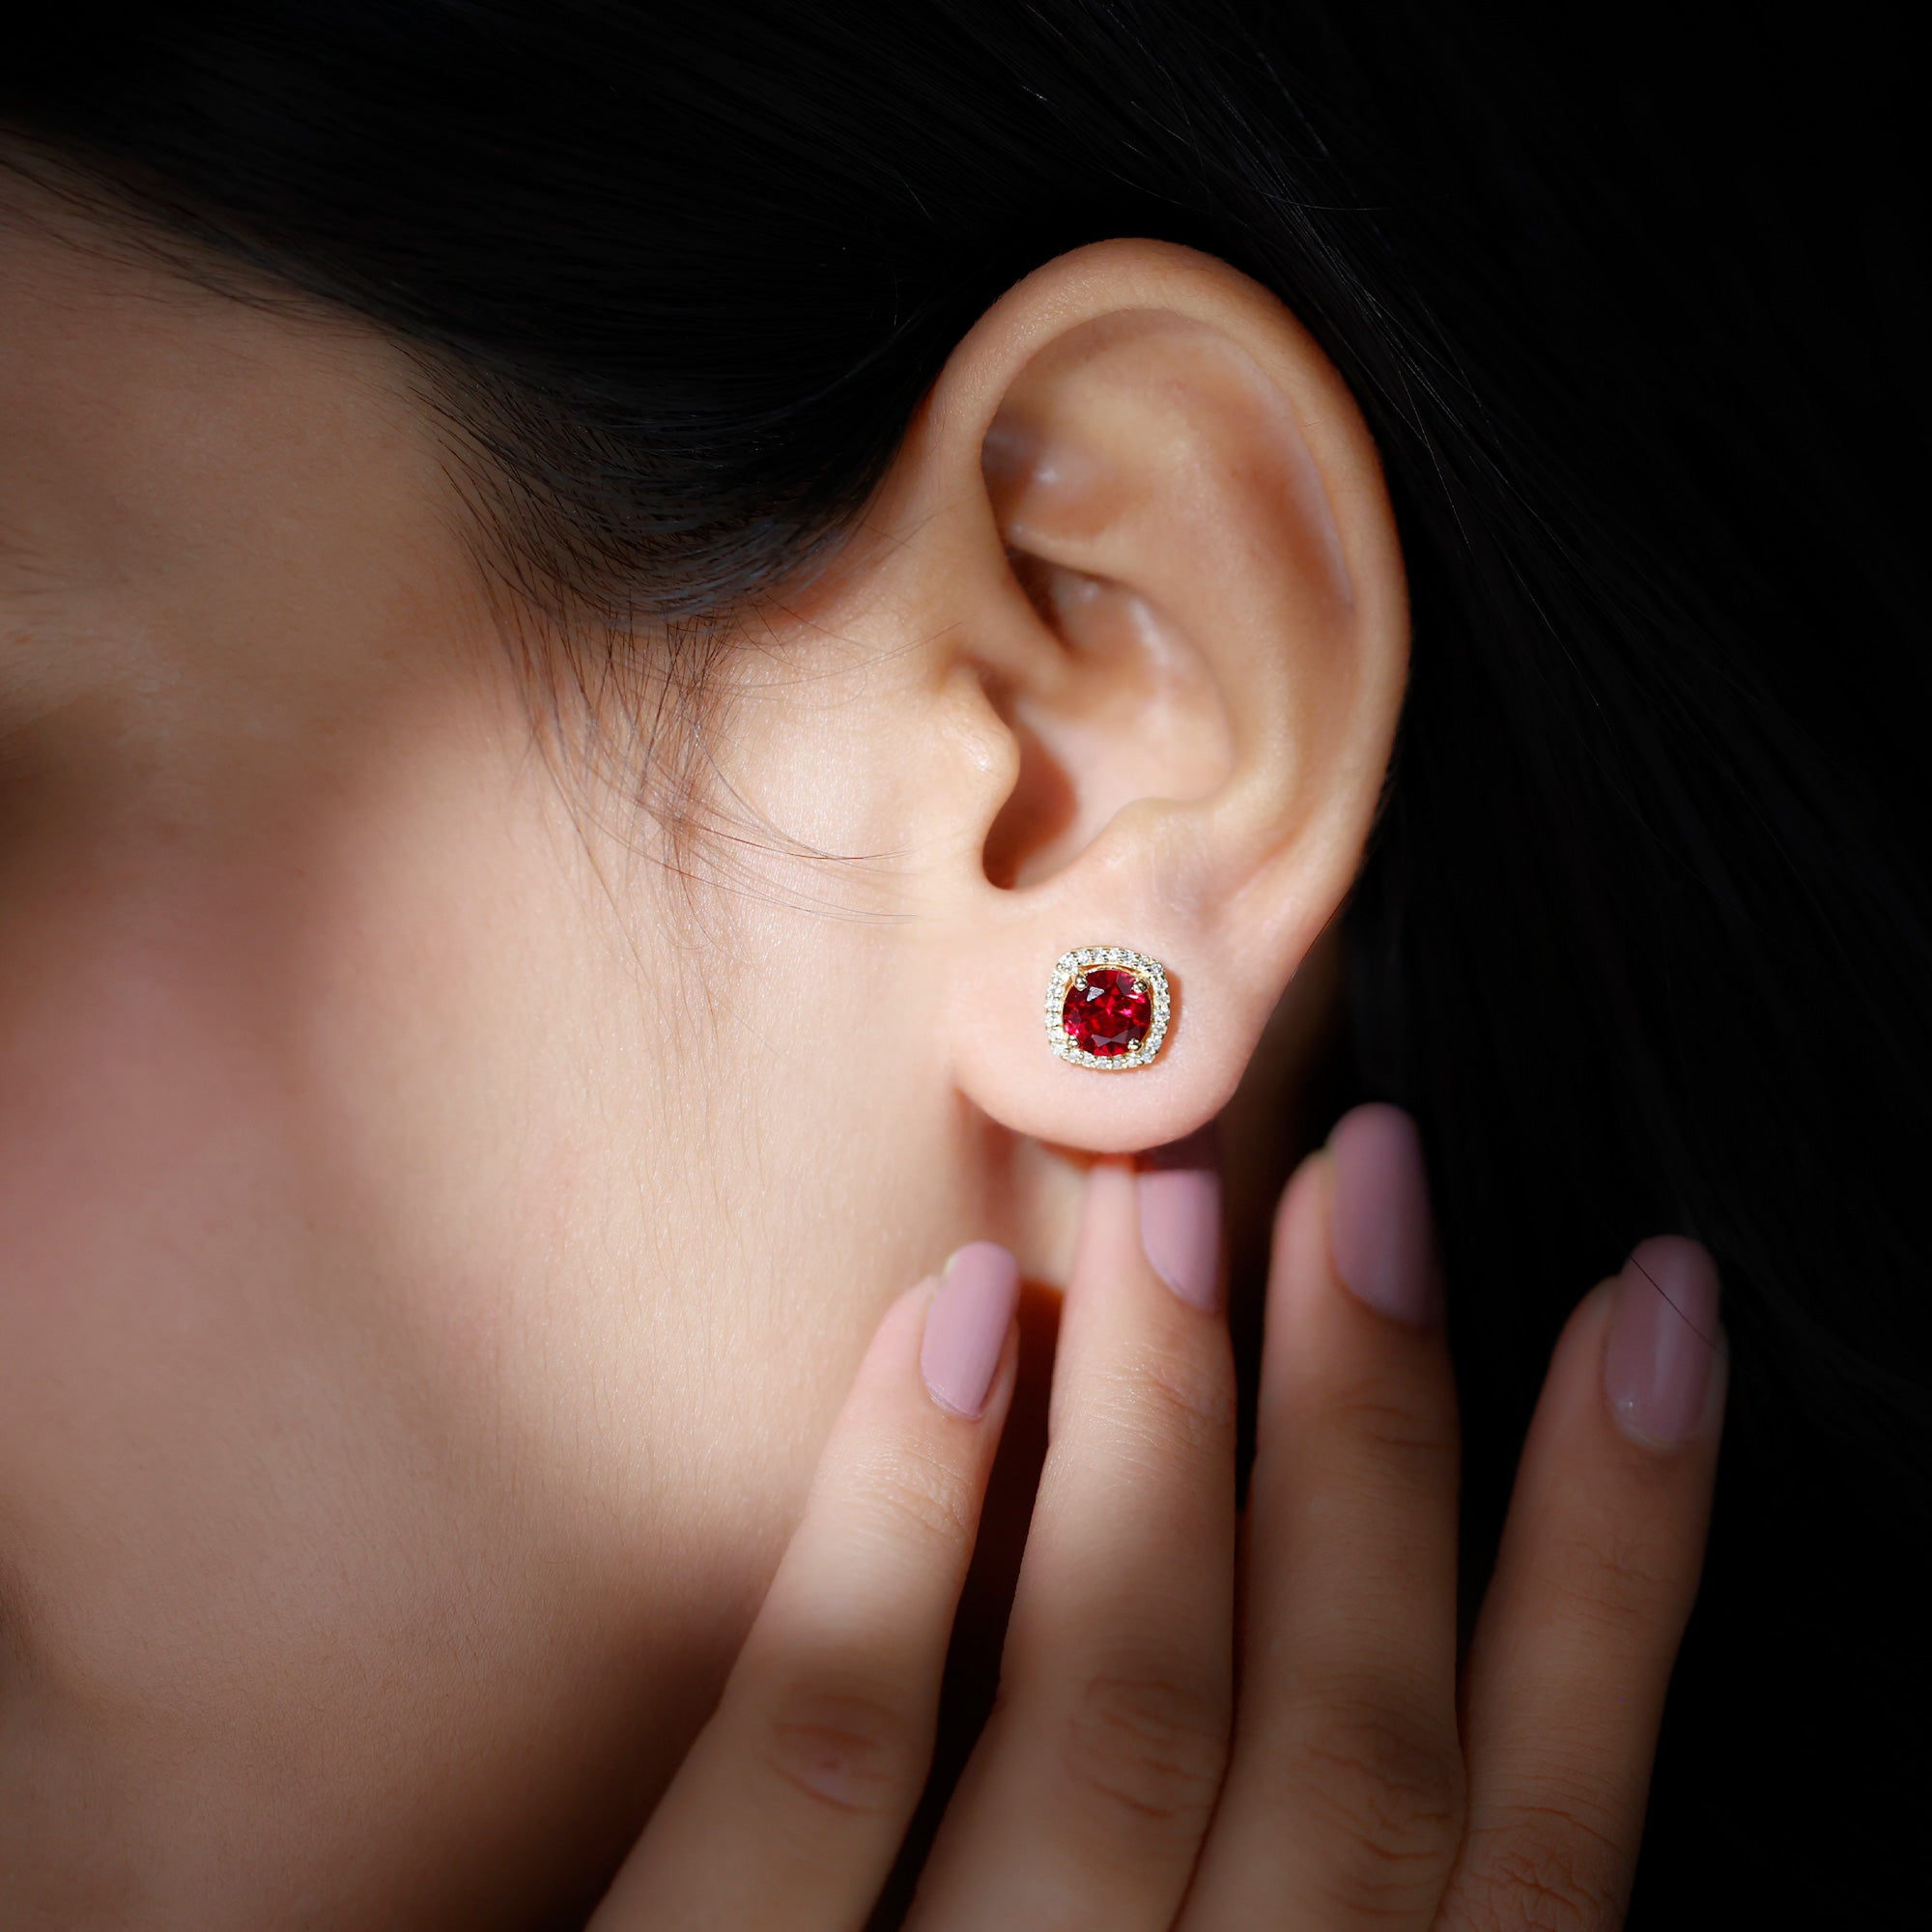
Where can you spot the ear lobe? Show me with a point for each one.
(1200, 686)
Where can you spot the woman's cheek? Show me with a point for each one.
(176, 1369)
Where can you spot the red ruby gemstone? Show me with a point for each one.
(1107, 1010)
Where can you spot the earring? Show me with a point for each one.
(1106, 1008)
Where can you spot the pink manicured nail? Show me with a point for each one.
(966, 1326)
(1179, 1191)
(1381, 1239)
(1664, 1334)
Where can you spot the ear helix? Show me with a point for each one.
(1107, 1008)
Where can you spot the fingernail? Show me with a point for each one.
(1380, 1237)
(966, 1326)
(1664, 1334)
(1179, 1191)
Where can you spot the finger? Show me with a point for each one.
(791, 1805)
(1595, 1580)
(1343, 1808)
(1087, 1796)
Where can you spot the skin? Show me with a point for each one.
(444, 1244)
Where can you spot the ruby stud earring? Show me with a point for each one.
(1106, 1008)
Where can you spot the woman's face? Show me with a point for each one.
(437, 1233)
(441, 1211)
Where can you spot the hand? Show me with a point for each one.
(1130, 1777)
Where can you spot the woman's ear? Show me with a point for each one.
(1145, 523)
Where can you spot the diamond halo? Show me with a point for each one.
(1152, 976)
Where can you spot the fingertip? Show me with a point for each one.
(1299, 1247)
(967, 1324)
(1381, 1228)
(1664, 1340)
(1683, 1270)
(1312, 1176)
(1178, 1193)
(1108, 1235)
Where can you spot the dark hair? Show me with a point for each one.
(1640, 939)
